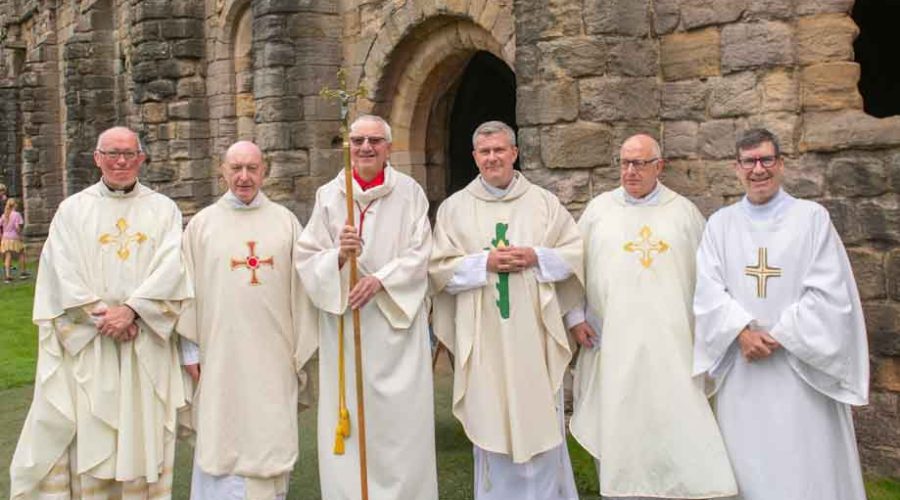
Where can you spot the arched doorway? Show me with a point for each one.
(487, 91)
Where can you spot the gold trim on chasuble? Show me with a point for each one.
(122, 238)
(252, 262)
(645, 246)
(762, 272)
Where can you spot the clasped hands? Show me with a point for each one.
(116, 322)
(366, 288)
(511, 259)
(756, 344)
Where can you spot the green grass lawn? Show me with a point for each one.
(454, 452)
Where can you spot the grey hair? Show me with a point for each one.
(375, 118)
(494, 127)
(754, 137)
(119, 129)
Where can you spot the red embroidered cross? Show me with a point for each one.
(252, 262)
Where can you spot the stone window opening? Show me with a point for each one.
(875, 49)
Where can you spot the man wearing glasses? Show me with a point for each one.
(391, 237)
(246, 336)
(109, 289)
(638, 410)
(780, 329)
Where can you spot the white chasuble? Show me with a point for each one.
(112, 403)
(637, 408)
(256, 330)
(786, 418)
(399, 406)
(511, 348)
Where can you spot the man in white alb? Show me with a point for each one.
(245, 337)
(638, 411)
(780, 330)
(507, 262)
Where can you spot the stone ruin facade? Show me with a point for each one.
(576, 78)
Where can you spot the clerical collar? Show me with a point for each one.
(118, 192)
(650, 199)
(236, 203)
(499, 192)
(366, 185)
(769, 209)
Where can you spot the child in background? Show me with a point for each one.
(11, 229)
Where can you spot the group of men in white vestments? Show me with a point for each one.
(758, 306)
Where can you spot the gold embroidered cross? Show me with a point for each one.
(762, 272)
(252, 262)
(645, 247)
(122, 239)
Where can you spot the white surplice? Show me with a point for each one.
(256, 330)
(396, 352)
(638, 410)
(785, 419)
(113, 403)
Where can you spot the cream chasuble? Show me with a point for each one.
(510, 344)
(393, 220)
(256, 330)
(105, 408)
(637, 407)
(786, 418)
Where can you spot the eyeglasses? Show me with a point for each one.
(374, 140)
(750, 163)
(114, 155)
(638, 165)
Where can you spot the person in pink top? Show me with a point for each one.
(11, 228)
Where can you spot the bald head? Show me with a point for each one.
(118, 134)
(640, 161)
(244, 170)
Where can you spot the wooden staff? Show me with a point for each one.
(343, 426)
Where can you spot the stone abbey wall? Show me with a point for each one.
(193, 76)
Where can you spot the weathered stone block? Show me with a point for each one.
(830, 86)
(154, 112)
(685, 177)
(893, 273)
(857, 175)
(883, 327)
(893, 168)
(666, 16)
(325, 163)
(680, 139)
(157, 90)
(190, 109)
(263, 7)
(879, 220)
(868, 269)
(548, 102)
(283, 164)
(529, 141)
(173, 29)
(807, 7)
(151, 9)
(175, 69)
(825, 38)
(690, 55)
(189, 49)
(573, 57)
(698, 13)
(733, 95)
(145, 72)
(278, 109)
(272, 27)
(886, 374)
(611, 99)
(527, 64)
(779, 90)
(721, 178)
(244, 105)
(268, 82)
(576, 145)
(317, 108)
(569, 186)
(804, 177)
(685, 100)
(617, 17)
(272, 136)
(785, 126)
(848, 129)
(634, 57)
(276, 54)
(751, 45)
(716, 138)
(149, 51)
(545, 20)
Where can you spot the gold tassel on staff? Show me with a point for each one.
(343, 425)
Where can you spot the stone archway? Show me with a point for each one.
(417, 90)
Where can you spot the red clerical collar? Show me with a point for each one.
(366, 185)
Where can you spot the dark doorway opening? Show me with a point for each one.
(487, 91)
(876, 52)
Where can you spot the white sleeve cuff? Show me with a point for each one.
(550, 266)
(190, 352)
(471, 273)
(574, 317)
